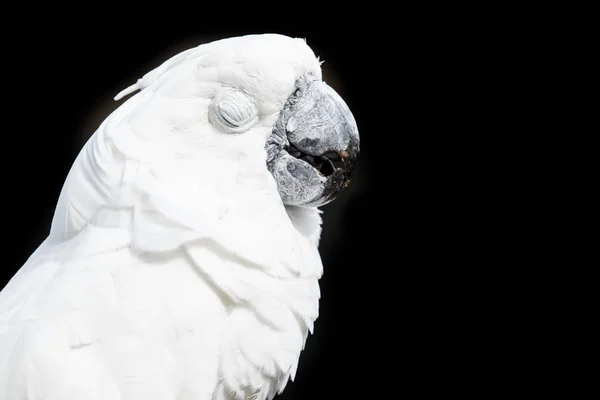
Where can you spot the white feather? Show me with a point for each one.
(172, 270)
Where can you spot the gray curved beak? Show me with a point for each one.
(314, 147)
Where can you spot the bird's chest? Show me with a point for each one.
(266, 318)
(262, 339)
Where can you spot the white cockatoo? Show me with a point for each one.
(182, 260)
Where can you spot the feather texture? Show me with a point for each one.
(172, 270)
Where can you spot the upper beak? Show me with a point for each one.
(319, 139)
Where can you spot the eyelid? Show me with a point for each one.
(234, 112)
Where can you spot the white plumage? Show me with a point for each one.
(172, 270)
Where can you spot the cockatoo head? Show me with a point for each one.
(259, 100)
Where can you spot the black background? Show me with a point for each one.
(374, 333)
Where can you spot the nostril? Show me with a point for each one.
(326, 167)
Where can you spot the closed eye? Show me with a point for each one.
(234, 112)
